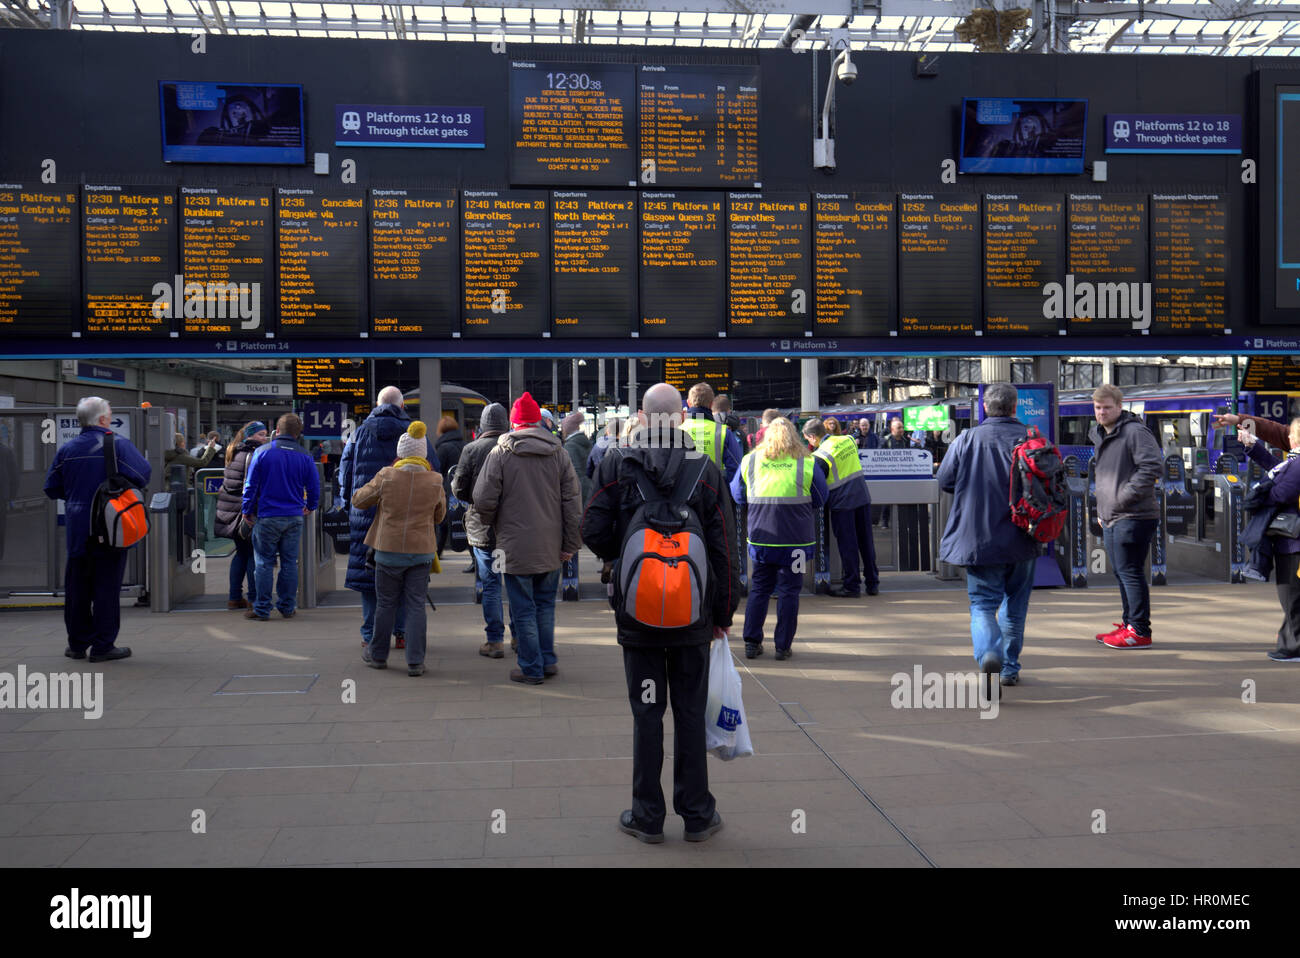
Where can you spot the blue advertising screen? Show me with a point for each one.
(232, 122)
(1006, 135)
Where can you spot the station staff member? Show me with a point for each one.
(782, 487)
(714, 439)
(850, 505)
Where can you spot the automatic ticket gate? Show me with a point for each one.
(1204, 527)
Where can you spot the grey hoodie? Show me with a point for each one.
(1128, 467)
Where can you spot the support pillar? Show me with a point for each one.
(514, 382)
(809, 388)
(431, 393)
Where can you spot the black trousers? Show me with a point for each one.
(654, 676)
(92, 608)
(1288, 593)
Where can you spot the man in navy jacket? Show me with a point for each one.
(93, 579)
(999, 557)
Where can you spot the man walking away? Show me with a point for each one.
(578, 446)
(92, 610)
(850, 508)
(280, 488)
(724, 414)
(999, 557)
(528, 493)
(1128, 467)
(709, 436)
(664, 665)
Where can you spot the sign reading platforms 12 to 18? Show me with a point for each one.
(368, 124)
(1173, 133)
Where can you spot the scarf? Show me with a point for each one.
(413, 461)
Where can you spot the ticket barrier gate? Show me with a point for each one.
(316, 570)
(172, 569)
(1071, 548)
(1203, 523)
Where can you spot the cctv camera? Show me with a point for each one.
(845, 71)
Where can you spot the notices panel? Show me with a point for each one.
(855, 258)
(685, 373)
(699, 125)
(572, 123)
(414, 263)
(767, 264)
(130, 251)
(681, 264)
(226, 254)
(506, 236)
(593, 270)
(1189, 264)
(39, 251)
(1106, 253)
(939, 264)
(1024, 250)
(322, 247)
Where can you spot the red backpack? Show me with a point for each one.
(1040, 500)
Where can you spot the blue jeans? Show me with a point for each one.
(764, 579)
(272, 536)
(242, 565)
(532, 615)
(493, 621)
(999, 604)
(368, 603)
(1127, 542)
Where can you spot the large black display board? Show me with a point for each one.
(699, 125)
(40, 233)
(593, 267)
(322, 262)
(682, 248)
(129, 256)
(414, 263)
(226, 250)
(1106, 251)
(506, 241)
(769, 285)
(938, 263)
(573, 123)
(1024, 250)
(855, 264)
(1284, 208)
(1189, 263)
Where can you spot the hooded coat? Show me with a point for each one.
(1129, 464)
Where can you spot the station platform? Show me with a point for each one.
(246, 722)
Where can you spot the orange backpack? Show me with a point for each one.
(117, 514)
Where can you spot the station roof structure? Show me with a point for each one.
(1207, 27)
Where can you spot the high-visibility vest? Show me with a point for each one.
(709, 436)
(841, 454)
(779, 494)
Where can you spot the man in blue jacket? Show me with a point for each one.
(372, 447)
(93, 579)
(281, 487)
(999, 557)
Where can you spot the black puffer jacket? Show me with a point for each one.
(230, 500)
(448, 448)
(472, 457)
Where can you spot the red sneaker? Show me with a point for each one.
(1119, 627)
(1126, 638)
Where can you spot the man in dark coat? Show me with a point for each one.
(578, 445)
(447, 447)
(373, 446)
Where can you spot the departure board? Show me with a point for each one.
(1286, 270)
(1189, 263)
(768, 269)
(225, 259)
(414, 263)
(855, 262)
(322, 252)
(573, 123)
(342, 380)
(682, 374)
(682, 248)
(699, 125)
(1024, 251)
(129, 259)
(39, 251)
(939, 263)
(593, 263)
(506, 239)
(1106, 251)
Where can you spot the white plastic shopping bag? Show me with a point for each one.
(726, 733)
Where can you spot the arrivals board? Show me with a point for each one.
(226, 251)
(855, 262)
(1106, 249)
(939, 264)
(129, 256)
(39, 251)
(1024, 251)
(506, 247)
(768, 264)
(683, 373)
(593, 263)
(1189, 263)
(573, 124)
(414, 263)
(682, 277)
(698, 125)
(322, 262)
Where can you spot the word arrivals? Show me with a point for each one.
(242, 301)
(952, 690)
(1130, 301)
(73, 912)
(56, 690)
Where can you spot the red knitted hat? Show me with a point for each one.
(525, 411)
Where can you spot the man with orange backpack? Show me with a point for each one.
(93, 579)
